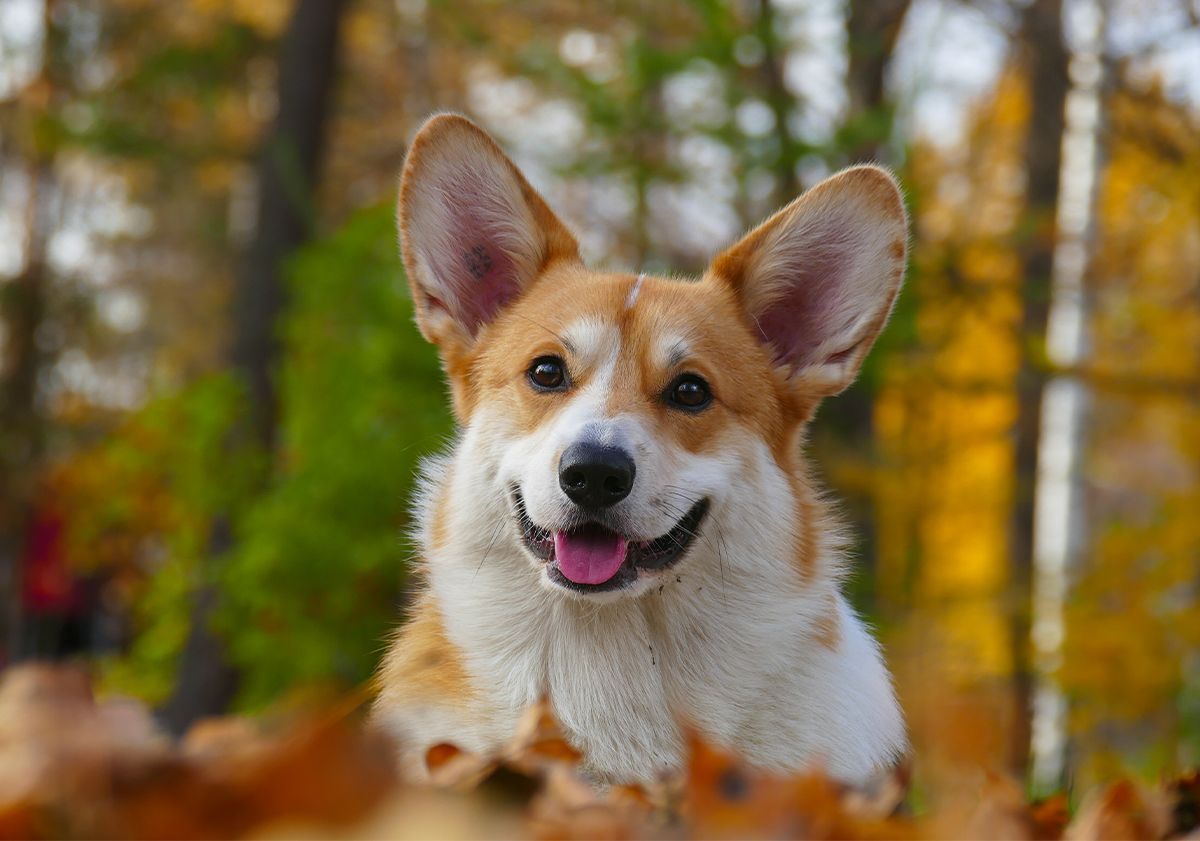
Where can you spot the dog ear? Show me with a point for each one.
(818, 279)
(473, 232)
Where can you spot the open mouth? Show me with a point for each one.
(592, 558)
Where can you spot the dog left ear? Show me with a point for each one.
(818, 279)
(474, 233)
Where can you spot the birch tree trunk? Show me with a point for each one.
(1060, 515)
(1044, 56)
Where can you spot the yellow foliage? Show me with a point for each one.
(945, 416)
(267, 16)
(1133, 628)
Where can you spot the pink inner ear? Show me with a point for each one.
(485, 282)
(811, 308)
(481, 277)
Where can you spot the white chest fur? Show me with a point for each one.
(732, 643)
(742, 661)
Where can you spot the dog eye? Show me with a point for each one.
(548, 373)
(689, 392)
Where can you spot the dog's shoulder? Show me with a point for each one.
(426, 694)
(422, 665)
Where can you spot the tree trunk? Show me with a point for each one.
(872, 28)
(24, 303)
(1044, 57)
(288, 170)
(23, 306)
(287, 175)
(779, 98)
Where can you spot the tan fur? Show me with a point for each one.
(811, 520)
(557, 244)
(828, 627)
(747, 390)
(757, 266)
(439, 534)
(422, 666)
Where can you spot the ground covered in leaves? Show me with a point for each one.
(75, 767)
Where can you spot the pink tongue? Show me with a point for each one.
(591, 557)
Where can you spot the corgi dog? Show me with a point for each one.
(625, 524)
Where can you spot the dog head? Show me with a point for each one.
(619, 425)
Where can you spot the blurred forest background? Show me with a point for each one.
(213, 399)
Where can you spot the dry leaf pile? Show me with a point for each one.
(74, 767)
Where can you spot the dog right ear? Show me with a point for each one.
(473, 232)
(819, 278)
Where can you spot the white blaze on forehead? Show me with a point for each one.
(592, 340)
(597, 345)
(634, 291)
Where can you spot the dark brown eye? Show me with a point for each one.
(689, 392)
(548, 373)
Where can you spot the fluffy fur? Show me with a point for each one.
(747, 639)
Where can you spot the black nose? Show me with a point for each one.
(594, 476)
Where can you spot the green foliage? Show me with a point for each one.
(315, 580)
(168, 111)
(161, 481)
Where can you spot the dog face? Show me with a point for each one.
(623, 426)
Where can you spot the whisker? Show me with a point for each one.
(719, 548)
(679, 512)
(565, 343)
(495, 536)
(721, 562)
